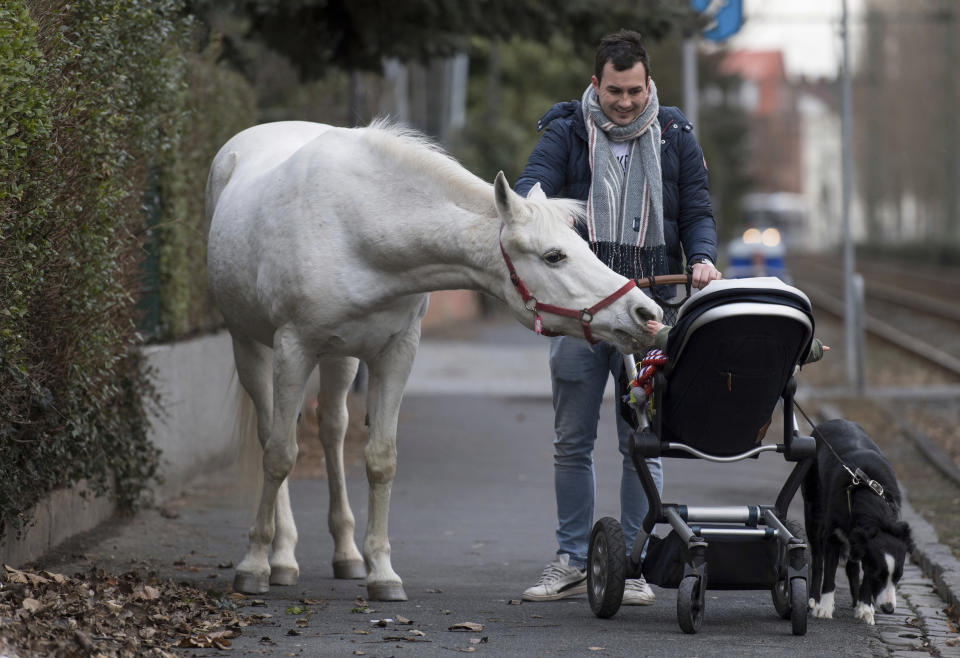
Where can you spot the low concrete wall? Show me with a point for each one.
(198, 388)
(56, 518)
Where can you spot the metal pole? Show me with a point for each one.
(851, 322)
(860, 332)
(690, 100)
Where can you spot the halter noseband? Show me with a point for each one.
(584, 315)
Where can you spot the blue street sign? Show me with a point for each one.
(726, 15)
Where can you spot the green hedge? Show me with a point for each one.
(100, 98)
(217, 103)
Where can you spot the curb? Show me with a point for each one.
(936, 560)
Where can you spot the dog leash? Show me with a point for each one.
(857, 476)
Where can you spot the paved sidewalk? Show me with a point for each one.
(472, 524)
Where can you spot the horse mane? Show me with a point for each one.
(420, 153)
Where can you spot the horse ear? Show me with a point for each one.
(503, 196)
(536, 192)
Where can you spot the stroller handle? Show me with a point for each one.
(664, 280)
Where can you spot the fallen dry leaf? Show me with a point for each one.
(146, 593)
(514, 602)
(403, 620)
(113, 606)
(97, 613)
(31, 604)
(466, 626)
(595, 648)
(414, 631)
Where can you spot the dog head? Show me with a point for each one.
(881, 551)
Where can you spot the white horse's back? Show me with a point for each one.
(256, 150)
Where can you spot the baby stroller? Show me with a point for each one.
(731, 356)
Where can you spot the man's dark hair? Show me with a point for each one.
(623, 49)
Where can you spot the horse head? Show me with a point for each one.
(558, 281)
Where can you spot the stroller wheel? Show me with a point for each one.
(606, 567)
(798, 601)
(781, 589)
(689, 604)
(781, 598)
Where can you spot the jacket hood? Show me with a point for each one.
(559, 110)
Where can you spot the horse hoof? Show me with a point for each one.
(386, 592)
(249, 583)
(284, 575)
(350, 569)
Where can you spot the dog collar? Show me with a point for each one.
(860, 478)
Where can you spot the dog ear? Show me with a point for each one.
(902, 530)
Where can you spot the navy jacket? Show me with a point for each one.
(560, 162)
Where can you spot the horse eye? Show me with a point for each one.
(554, 256)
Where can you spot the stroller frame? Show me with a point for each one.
(741, 527)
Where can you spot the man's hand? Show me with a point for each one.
(704, 273)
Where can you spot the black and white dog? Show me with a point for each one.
(853, 518)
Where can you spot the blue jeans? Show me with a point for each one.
(579, 373)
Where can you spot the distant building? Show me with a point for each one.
(794, 146)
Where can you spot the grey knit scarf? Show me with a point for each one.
(625, 208)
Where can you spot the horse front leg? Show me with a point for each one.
(336, 376)
(291, 369)
(388, 376)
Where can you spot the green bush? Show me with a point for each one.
(217, 103)
(91, 95)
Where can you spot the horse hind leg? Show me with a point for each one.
(336, 376)
(277, 398)
(284, 569)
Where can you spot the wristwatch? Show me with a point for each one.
(698, 259)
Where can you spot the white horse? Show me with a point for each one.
(324, 244)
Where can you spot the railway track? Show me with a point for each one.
(912, 404)
(915, 311)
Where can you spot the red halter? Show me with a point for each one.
(585, 315)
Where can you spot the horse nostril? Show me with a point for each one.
(643, 314)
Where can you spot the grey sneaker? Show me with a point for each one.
(636, 591)
(557, 581)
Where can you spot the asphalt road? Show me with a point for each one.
(472, 524)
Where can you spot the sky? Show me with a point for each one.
(807, 31)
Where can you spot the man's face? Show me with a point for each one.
(622, 94)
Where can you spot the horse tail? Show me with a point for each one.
(248, 454)
(220, 172)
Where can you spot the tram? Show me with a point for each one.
(773, 222)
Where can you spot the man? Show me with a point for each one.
(642, 174)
